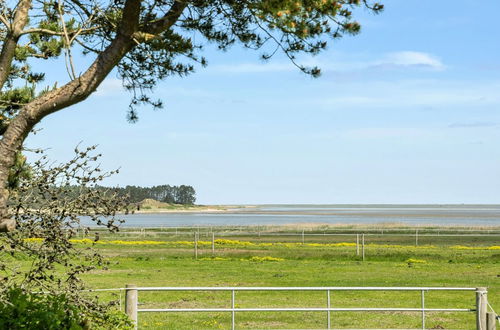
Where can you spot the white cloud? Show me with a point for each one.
(109, 86)
(338, 63)
(473, 125)
(386, 133)
(265, 67)
(411, 59)
(407, 93)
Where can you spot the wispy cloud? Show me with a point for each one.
(473, 125)
(386, 133)
(263, 67)
(411, 59)
(408, 93)
(390, 61)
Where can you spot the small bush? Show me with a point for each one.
(21, 310)
(38, 311)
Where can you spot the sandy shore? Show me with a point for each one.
(199, 209)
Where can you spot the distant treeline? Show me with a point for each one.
(182, 194)
(165, 193)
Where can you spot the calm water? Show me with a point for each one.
(463, 215)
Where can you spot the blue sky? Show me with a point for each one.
(406, 112)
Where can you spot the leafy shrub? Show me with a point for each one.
(38, 311)
(21, 310)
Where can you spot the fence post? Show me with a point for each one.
(423, 309)
(491, 321)
(196, 245)
(481, 305)
(357, 245)
(213, 243)
(328, 302)
(131, 302)
(363, 246)
(232, 310)
(416, 237)
(303, 240)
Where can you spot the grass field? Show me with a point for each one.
(166, 260)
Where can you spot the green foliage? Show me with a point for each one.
(22, 310)
(38, 311)
(13, 99)
(19, 171)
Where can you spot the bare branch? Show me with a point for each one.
(67, 44)
(5, 21)
(57, 33)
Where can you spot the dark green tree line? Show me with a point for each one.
(164, 193)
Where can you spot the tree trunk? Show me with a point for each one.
(10, 145)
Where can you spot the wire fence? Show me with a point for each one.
(395, 236)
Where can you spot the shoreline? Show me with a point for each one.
(197, 209)
(321, 226)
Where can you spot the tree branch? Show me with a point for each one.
(168, 20)
(5, 21)
(67, 44)
(57, 33)
(10, 42)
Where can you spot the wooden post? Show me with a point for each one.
(232, 311)
(196, 245)
(363, 246)
(357, 245)
(481, 305)
(131, 302)
(303, 239)
(328, 314)
(491, 321)
(213, 243)
(416, 237)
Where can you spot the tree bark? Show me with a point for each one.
(11, 39)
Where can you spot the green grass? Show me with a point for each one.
(174, 265)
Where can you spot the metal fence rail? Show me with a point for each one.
(482, 317)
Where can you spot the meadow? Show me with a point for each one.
(163, 259)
